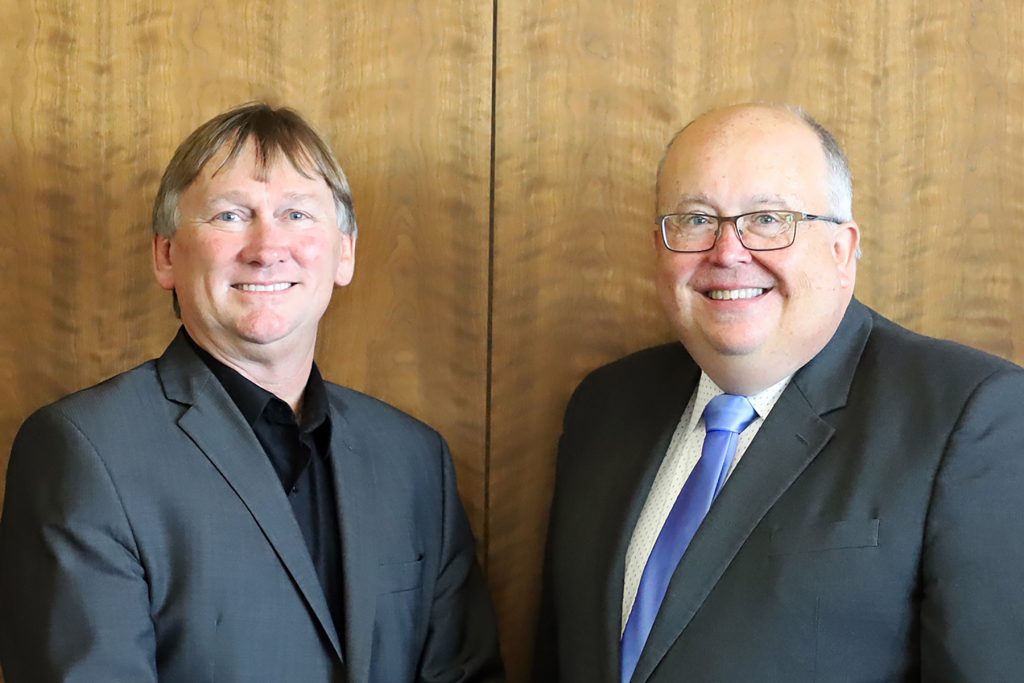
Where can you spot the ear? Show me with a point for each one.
(163, 268)
(845, 251)
(346, 261)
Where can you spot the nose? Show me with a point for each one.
(266, 243)
(728, 249)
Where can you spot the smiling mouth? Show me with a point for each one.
(735, 294)
(276, 287)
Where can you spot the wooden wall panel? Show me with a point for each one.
(926, 96)
(95, 97)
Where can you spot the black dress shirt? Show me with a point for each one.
(298, 450)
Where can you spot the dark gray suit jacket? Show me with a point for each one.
(873, 531)
(147, 537)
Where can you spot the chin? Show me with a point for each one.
(730, 340)
(735, 347)
(263, 329)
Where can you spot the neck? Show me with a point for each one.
(746, 379)
(749, 375)
(283, 372)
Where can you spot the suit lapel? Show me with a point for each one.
(214, 424)
(780, 452)
(638, 458)
(792, 435)
(354, 486)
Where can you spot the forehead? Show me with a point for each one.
(247, 167)
(743, 155)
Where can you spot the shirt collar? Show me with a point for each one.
(252, 400)
(763, 401)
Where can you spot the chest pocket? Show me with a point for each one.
(394, 577)
(820, 537)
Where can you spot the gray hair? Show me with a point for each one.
(840, 180)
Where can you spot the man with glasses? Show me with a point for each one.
(801, 490)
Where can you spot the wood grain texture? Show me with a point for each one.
(926, 96)
(97, 95)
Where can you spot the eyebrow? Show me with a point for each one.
(756, 200)
(233, 196)
(241, 197)
(300, 197)
(771, 199)
(692, 199)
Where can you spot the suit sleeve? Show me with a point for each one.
(972, 615)
(73, 595)
(545, 656)
(462, 641)
(547, 649)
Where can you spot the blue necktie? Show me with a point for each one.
(724, 418)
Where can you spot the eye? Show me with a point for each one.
(695, 220)
(227, 217)
(766, 219)
(297, 215)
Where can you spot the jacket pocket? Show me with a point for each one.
(819, 537)
(394, 577)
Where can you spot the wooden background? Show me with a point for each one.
(502, 157)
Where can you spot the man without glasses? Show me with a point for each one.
(222, 513)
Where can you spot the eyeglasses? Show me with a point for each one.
(757, 230)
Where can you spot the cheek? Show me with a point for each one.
(673, 273)
(206, 253)
(317, 252)
(798, 273)
(313, 259)
(811, 294)
(665, 285)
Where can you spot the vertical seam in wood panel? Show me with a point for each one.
(490, 294)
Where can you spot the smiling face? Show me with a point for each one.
(751, 318)
(255, 258)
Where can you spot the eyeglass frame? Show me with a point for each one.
(722, 220)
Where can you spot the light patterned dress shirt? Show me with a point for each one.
(680, 459)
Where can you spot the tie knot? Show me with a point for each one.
(728, 413)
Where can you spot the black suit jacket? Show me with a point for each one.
(146, 536)
(873, 531)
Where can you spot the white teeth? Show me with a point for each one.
(733, 294)
(276, 287)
